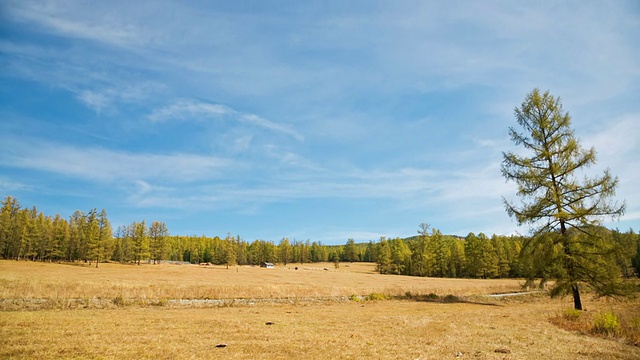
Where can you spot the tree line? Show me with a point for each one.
(26, 233)
(478, 256)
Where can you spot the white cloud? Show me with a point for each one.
(109, 165)
(364, 94)
(78, 22)
(189, 110)
(616, 140)
(201, 111)
(9, 185)
(95, 100)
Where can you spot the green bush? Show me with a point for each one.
(606, 323)
(376, 296)
(572, 314)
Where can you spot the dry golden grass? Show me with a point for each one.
(54, 284)
(379, 330)
(509, 328)
(625, 327)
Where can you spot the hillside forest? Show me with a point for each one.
(29, 234)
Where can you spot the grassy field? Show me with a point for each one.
(127, 311)
(56, 283)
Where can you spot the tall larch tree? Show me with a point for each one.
(284, 251)
(105, 237)
(554, 200)
(350, 251)
(9, 228)
(158, 241)
(140, 240)
(92, 237)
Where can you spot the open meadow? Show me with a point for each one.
(50, 310)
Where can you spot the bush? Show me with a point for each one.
(376, 296)
(119, 301)
(432, 296)
(451, 299)
(572, 314)
(606, 323)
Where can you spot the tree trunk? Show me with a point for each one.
(577, 303)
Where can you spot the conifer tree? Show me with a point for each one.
(422, 256)
(140, 240)
(350, 251)
(284, 251)
(158, 234)
(230, 256)
(105, 237)
(554, 200)
(383, 254)
(92, 237)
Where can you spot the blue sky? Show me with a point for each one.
(308, 120)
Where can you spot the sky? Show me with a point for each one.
(311, 120)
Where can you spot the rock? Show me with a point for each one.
(502, 351)
(269, 323)
(221, 345)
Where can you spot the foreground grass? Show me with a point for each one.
(462, 324)
(614, 320)
(379, 330)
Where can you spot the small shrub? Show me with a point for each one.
(606, 323)
(572, 314)
(119, 301)
(355, 298)
(432, 296)
(451, 298)
(376, 296)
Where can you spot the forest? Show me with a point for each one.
(29, 234)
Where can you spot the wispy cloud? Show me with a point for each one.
(112, 95)
(201, 111)
(108, 165)
(404, 105)
(85, 24)
(9, 185)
